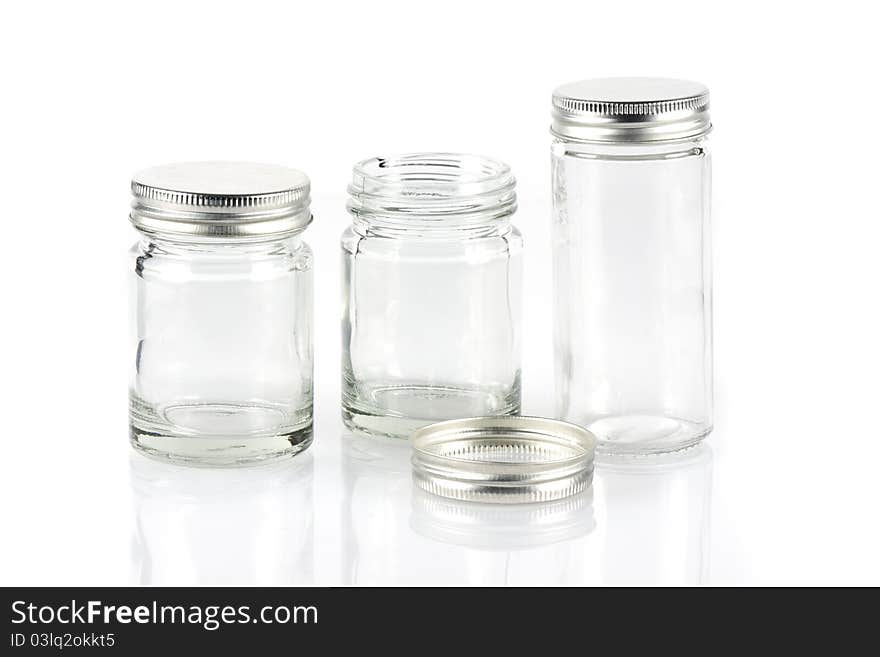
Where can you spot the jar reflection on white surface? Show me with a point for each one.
(655, 517)
(222, 288)
(631, 174)
(431, 326)
(204, 527)
(377, 544)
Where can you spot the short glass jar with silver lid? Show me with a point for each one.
(222, 292)
(432, 298)
(632, 272)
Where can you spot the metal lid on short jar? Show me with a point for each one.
(626, 110)
(220, 199)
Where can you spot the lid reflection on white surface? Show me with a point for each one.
(247, 526)
(502, 526)
(540, 544)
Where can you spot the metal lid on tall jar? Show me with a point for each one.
(630, 110)
(220, 200)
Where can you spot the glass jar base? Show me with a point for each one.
(399, 410)
(645, 434)
(219, 433)
(222, 451)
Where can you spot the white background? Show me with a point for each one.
(787, 491)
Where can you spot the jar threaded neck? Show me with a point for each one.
(432, 192)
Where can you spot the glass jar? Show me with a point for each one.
(631, 250)
(222, 365)
(432, 275)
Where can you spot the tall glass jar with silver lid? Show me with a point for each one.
(631, 247)
(222, 292)
(432, 275)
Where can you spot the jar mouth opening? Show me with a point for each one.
(431, 191)
(430, 176)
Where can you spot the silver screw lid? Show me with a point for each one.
(625, 110)
(503, 459)
(220, 199)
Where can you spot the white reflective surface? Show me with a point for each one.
(641, 523)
